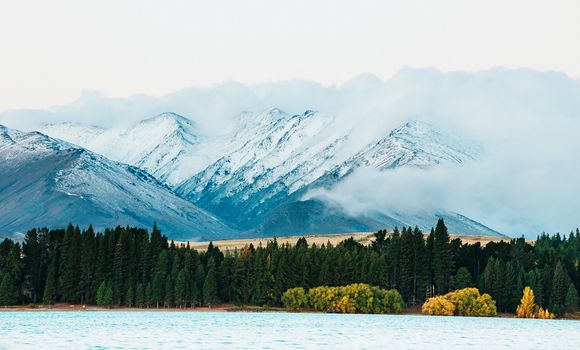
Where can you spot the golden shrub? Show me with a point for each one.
(545, 314)
(439, 306)
(295, 299)
(463, 302)
(358, 297)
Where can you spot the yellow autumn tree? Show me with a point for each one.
(462, 302)
(438, 306)
(529, 309)
(352, 298)
(545, 314)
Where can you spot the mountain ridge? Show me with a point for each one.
(258, 172)
(49, 182)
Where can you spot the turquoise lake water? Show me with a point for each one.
(241, 330)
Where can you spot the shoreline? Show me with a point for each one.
(412, 311)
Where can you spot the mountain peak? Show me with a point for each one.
(169, 117)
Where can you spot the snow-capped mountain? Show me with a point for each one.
(254, 177)
(270, 154)
(48, 182)
(161, 145)
(253, 166)
(279, 158)
(416, 144)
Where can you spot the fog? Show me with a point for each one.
(527, 123)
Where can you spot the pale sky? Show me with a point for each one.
(51, 50)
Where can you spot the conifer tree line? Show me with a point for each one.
(128, 266)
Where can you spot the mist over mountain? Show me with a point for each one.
(497, 146)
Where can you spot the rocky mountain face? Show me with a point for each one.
(49, 182)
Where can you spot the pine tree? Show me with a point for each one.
(269, 293)
(511, 292)
(120, 271)
(238, 272)
(442, 258)
(101, 291)
(108, 297)
(156, 242)
(148, 295)
(560, 285)
(210, 285)
(419, 266)
(571, 303)
(50, 287)
(129, 297)
(498, 284)
(32, 266)
(7, 290)
(181, 288)
(225, 278)
(157, 289)
(462, 279)
(197, 285)
(70, 265)
(169, 287)
(406, 265)
(393, 249)
(429, 264)
(139, 295)
(87, 261)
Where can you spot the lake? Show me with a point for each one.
(244, 330)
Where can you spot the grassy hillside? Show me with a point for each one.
(361, 237)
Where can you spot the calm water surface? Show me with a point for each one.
(220, 330)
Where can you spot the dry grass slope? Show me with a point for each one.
(361, 237)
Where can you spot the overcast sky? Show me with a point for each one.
(52, 50)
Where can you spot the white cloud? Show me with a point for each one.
(52, 52)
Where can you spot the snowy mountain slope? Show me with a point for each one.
(256, 174)
(416, 144)
(47, 182)
(161, 145)
(286, 156)
(271, 153)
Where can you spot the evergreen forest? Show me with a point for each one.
(133, 267)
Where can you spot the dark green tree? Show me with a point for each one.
(462, 279)
(70, 265)
(560, 284)
(139, 295)
(571, 303)
(210, 295)
(7, 290)
(442, 258)
(157, 289)
(32, 265)
(168, 296)
(182, 289)
(129, 297)
(49, 295)
(101, 292)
